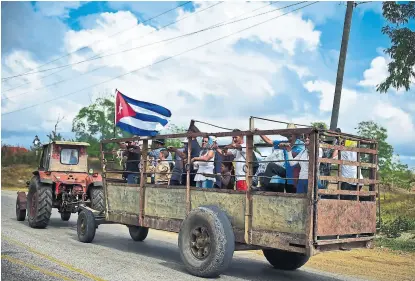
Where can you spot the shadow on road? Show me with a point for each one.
(244, 268)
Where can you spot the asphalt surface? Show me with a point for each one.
(55, 253)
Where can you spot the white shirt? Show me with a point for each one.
(346, 170)
(303, 155)
(205, 167)
(240, 155)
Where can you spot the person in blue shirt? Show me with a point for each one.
(278, 183)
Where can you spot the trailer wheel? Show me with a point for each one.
(284, 260)
(206, 242)
(39, 203)
(20, 214)
(86, 226)
(138, 233)
(97, 199)
(65, 216)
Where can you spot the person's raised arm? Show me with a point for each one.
(265, 139)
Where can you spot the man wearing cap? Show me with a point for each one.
(290, 172)
(133, 161)
(179, 155)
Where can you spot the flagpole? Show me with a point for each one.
(115, 111)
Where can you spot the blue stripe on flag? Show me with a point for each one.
(149, 106)
(136, 131)
(150, 118)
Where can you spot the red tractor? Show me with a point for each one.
(62, 181)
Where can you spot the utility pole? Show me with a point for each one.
(340, 68)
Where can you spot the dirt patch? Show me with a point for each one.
(375, 264)
(16, 176)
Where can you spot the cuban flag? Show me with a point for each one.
(138, 117)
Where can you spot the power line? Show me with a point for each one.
(63, 80)
(163, 60)
(119, 32)
(160, 41)
(176, 21)
(171, 40)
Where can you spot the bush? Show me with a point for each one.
(28, 158)
(394, 228)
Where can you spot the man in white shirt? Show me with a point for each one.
(238, 150)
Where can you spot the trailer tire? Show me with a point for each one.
(138, 233)
(206, 224)
(65, 216)
(284, 260)
(39, 203)
(20, 214)
(97, 199)
(86, 226)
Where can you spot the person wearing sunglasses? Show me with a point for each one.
(205, 165)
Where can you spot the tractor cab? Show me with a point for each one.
(64, 156)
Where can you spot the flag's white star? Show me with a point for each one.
(120, 109)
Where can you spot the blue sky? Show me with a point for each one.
(285, 69)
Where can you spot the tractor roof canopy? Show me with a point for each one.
(69, 143)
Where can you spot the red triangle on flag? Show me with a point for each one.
(122, 108)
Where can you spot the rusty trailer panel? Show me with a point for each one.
(279, 213)
(232, 203)
(123, 198)
(165, 202)
(342, 217)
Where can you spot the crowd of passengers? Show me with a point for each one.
(285, 169)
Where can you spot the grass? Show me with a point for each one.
(401, 245)
(16, 176)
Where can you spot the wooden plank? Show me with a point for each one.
(349, 180)
(341, 217)
(344, 148)
(348, 163)
(346, 192)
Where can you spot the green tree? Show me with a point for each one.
(371, 130)
(174, 129)
(319, 125)
(95, 122)
(402, 51)
(396, 174)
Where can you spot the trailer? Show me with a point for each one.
(213, 223)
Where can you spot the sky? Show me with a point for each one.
(276, 65)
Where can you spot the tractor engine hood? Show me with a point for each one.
(71, 178)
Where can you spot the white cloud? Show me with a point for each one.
(326, 92)
(360, 106)
(57, 8)
(376, 74)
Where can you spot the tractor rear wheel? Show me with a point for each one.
(65, 216)
(97, 199)
(39, 203)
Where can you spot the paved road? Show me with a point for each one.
(56, 254)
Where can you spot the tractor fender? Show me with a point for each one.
(97, 183)
(43, 177)
(22, 199)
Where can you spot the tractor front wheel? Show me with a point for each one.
(39, 204)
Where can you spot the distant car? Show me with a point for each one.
(62, 181)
